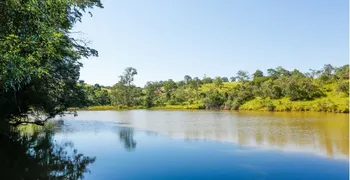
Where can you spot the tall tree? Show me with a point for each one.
(169, 87)
(282, 72)
(224, 79)
(207, 80)
(39, 57)
(257, 74)
(123, 90)
(218, 81)
(242, 76)
(128, 76)
(187, 79)
(196, 84)
(150, 96)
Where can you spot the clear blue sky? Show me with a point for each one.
(166, 39)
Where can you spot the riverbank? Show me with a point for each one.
(335, 105)
(101, 108)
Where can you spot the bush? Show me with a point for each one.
(283, 105)
(270, 106)
(325, 105)
(172, 102)
(214, 100)
(298, 88)
(269, 89)
(235, 106)
(227, 105)
(343, 87)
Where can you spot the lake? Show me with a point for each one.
(154, 144)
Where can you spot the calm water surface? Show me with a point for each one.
(144, 144)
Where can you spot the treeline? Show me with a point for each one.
(326, 89)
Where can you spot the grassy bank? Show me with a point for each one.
(106, 107)
(318, 105)
(324, 90)
(332, 102)
(335, 105)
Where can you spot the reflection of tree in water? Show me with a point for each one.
(151, 133)
(38, 156)
(126, 136)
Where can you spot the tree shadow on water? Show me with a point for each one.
(38, 156)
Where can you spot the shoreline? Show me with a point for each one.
(190, 107)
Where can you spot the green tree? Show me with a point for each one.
(102, 97)
(180, 84)
(241, 94)
(218, 82)
(187, 79)
(258, 74)
(224, 79)
(268, 89)
(282, 72)
(150, 93)
(297, 73)
(342, 72)
(242, 76)
(118, 94)
(258, 78)
(272, 73)
(233, 79)
(128, 76)
(123, 91)
(169, 87)
(343, 86)
(298, 88)
(214, 100)
(39, 57)
(312, 74)
(196, 84)
(207, 80)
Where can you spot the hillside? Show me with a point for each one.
(325, 90)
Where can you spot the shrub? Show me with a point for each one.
(299, 88)
(343, 87)
(270, 106)
(214, 100)
(325, 105)
(235, 106)
(172, 102)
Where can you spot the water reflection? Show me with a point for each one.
(323, 136)
(33, 154)
(318, 133)
(126, 136)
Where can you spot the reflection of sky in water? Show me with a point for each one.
(318, 133)
(209, 145)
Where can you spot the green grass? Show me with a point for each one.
(331, 103)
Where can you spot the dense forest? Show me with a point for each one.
(326, 90)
